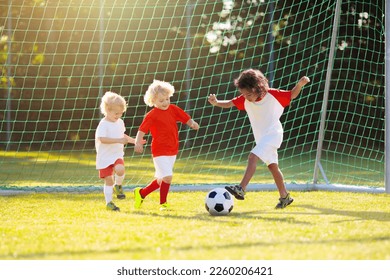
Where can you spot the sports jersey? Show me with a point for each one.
(162, 124)
(264, 115)
(107, 154)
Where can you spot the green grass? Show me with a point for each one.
(49, 169)
(318, 225)
(63, 170)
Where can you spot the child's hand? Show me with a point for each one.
(139, 147)
(213, 99)
(303, 81)
(194, 125)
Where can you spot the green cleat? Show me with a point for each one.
(137, 198)
(111, 206)
(283, 202)
(164, 207)
(119, 192)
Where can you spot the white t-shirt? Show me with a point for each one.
(107, 154)
(264, 116)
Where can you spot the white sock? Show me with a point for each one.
(119, 179)
(108, 190)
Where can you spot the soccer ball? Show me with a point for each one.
(219, 202)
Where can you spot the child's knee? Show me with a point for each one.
(119, 169)
(167, 179)
(274, 168)
(253, 158)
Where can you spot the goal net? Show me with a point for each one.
(59, 57)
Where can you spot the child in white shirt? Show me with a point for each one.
(264, 107)
(110, 139)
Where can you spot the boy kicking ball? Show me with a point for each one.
(264, 107)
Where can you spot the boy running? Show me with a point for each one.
(161, 122)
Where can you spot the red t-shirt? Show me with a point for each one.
(162, 124)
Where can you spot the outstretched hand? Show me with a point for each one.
(303, 81)
(127, 139)
(212, 99)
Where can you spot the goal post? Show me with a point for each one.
(57, 59)
(317, 165)
(387, 98)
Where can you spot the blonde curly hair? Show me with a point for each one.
(111, 99)
(157, 87)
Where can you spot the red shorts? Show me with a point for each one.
(109, 170)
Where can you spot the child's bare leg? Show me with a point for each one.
(250, 170)
(109, 180)
(119, 169)
(166, 179)
(119, 174)
(279, 179)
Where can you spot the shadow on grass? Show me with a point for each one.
(232, 219)
(361, 215)
(144, 249)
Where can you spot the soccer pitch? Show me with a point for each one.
(317, 226)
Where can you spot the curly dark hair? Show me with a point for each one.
(253, 79)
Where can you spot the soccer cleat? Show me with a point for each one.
(283, 202)
(236, 191)
(164, 207)
(137, 198)
(119, 192)
(111, 206)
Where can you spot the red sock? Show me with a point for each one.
(164, 192)
(149, 188)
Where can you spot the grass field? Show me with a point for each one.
(317, 226)
(51, 169)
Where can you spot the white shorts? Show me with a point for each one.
(164, 166)
(267, 153)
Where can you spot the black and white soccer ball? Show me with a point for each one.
(219, 202)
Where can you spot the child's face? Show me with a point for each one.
(249, 95)
(162, 101)
(114, 113)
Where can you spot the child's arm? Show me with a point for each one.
(297, 89)
(193, 124)
(139, 142)
(220, 103)
(107, 140)
(131, 140)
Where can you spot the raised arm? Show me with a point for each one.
(219, 103)
(297, 89)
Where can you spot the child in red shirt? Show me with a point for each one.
(161, 121)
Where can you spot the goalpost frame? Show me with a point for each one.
(321, 134)
(189, 9)
(9, 84)
(387, 97)
(318, 166)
